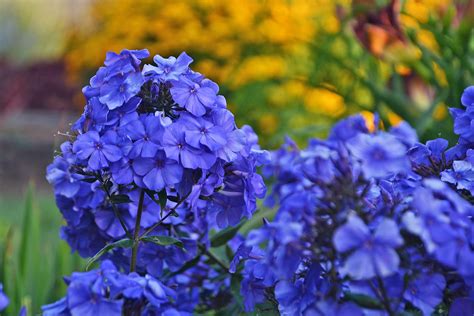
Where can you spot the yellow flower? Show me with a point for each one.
(258, 68)
(440, 112)
(369, 120)
(440, 75)
(268, 123)
(394, 119)
(320, 100)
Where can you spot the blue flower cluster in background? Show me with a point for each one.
(367, 223)
(153, 165)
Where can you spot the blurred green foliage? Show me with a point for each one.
(411, 68)
(33, 259)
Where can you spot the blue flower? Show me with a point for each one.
(108, 222)
(4, 301)
(441, 218)
(202, 132)
(122, 171)
(176, 148)
(106, 291)
(243, 252)
(93, 118)
(124, 114)
(58, 308)
(372, 254)
(462, 306)
(241, 187)
(146, 134)
(234, 137)
(426, 292)
(347, 128)
(74, 235)
(332, 308)
(158, 172)
(196, 97)
(120, 88)
(257, 277)
(65, 182)
(380, 155)
(431, 158)
(464, 119)
(405, 133)
(99, 151)
(170, 68)
(126, 61)
(155, 292)
(467, 98)
(461, 175)
(82, 301)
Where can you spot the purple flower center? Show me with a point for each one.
(369, 244)
(378, 153)
(194, 88)
(160, 164)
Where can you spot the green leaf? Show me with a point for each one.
(163, 198)
(122, 243)
(223, 236)
(189, 264)
(235, 284)
(363, 300)
(163, 241)
(89, 180)
(120, 198)
(173, 198)
(26, 230)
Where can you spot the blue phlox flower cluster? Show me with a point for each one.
(156, 145)
(367, 223)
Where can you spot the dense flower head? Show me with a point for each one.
(106, 291)
(156, 145)
(367, 222)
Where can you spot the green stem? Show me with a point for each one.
(151, 228)
(114, 208)
(213, 257)
(384, 297)
(136, 232)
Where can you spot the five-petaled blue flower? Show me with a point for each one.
(371, 254)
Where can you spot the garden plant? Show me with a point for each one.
(158, 189)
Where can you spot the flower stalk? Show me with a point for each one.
(136, 232)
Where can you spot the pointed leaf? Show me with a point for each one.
(163, 197)
(189, 264)
(363, 300)
(223, 236)
(122, 243)
(163, 241)
(120, 198)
